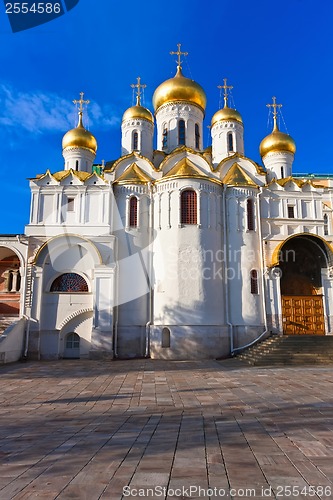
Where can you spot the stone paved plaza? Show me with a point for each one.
(160, 429)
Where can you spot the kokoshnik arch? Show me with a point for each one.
(177, 252)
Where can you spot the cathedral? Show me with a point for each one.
(171, 252)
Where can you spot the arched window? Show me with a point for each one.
(197, 136)
(133, 212)
(165, 337)
(254, 282)
(135, 141)
(250, 214)
(181, 132)
(69, 283)
(325, 224)
(77, 165)
(230, 142)
(72, 341)
(282, 172)
(165, 137)
(188, 207)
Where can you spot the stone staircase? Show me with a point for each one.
(290, 350)
(6, 321)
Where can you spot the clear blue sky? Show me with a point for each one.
(264, 48)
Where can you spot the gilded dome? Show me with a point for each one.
(277, 141)
(179, 88)
(226, 113)
(79, 137)
(138, 111)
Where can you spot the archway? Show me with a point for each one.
(301, 261)
(10, 282)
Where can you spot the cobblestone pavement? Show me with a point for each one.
(160, 429)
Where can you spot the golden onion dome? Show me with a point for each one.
(179, 88)
(138, 111)
(277, 141)
(226, 114)
(79, 137)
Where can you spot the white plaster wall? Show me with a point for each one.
(276, 160)
(145, 130)
(169, 115)
(219, 133)
(80, 159)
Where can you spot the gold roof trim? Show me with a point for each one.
(133, 175)
(185, 168)
(260, 170)
(133, 155)
(63, 174)
(237, 176)
(184, 149)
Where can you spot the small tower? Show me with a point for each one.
(179, 105)
(137, 128)
(227, 130)
(277, 149)
(79, 146)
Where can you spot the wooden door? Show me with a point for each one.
(303, 315)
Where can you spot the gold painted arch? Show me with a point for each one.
(276, 252)
(66, 236)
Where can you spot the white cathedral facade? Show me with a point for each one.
(177, 252)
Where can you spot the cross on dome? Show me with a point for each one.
(138, 86)
(225, 93)
(81, 101)
(179, 53)
(275, 111)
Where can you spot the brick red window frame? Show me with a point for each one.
(250, 214)
(133, 212)
(188, 207)
(254, 282)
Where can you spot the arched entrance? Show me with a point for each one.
(10, 283)
(301, 261)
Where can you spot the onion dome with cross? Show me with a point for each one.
(226, 113)
(138, 111)
(179, 88)
(80, 137)
(276, 140)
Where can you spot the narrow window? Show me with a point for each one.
(135, 141)
(181, 132)
(291, 212)
(165, 137)
(325, 225)
(230, 142)
(282, 172)
(197, 136)
(70, 204)
(188, 207)
(77, 165)
(165, 337)
(254, 282)
(133, 212)
(250, 214)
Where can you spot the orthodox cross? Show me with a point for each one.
(275, 110)
(138, 86)
(81, 101)
(179, 53)
(225, 87)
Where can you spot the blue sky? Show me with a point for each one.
(264, 48)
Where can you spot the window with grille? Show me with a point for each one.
(135, 141)
(133, 212)
(69, 282)
(165, 138)
(181, 132)
(291, 211)
(325, 225)
(188, 207)
(230, 142)
(250, 214)
(254, 282)
(197, 136)
(72, 341)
